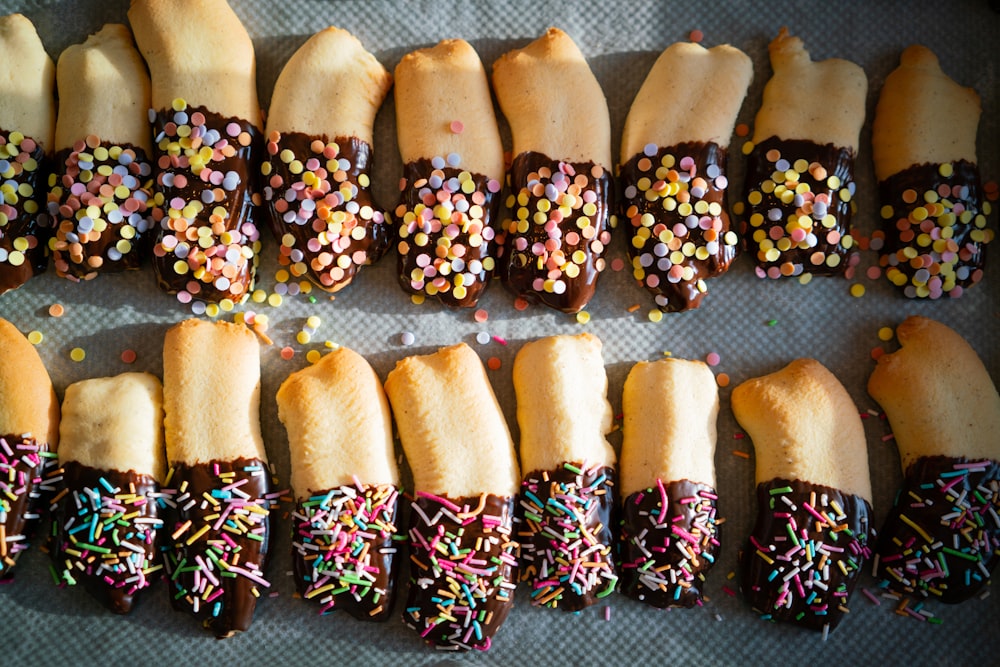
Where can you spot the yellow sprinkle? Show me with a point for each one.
(885, 334)
(274, 300)
(77, 354)
(416, 299)
(303, 337)
(35, 337)
(313, 322)
(857, 290)
(312, 356)
(212, 309)
(583, 317)
(259, 296)
(655, 315)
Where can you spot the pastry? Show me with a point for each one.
(319, 155)
(941, 537)
(206, 129)
(452, 174)
(553, 245)
(463, 555)
(99, 191)
(673, 170)
(346, 485)
(934, 212)
(29, 438)
(107, 515)
(799, 187)
(568, 488)
(218, 483)
(811, 537)
(27, 122)
(670, 536)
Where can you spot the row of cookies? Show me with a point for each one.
(188, 192)
(133, 468)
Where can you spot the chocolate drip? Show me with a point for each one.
(552, 248)
(217, 553)
(935, 223)
(798, 197)
(106, 524)
(444, 227)
(669, 542)
(343, 550)
(26, 479)
(463, 568)
(24, 226)
(566, 535)
(322, 211)
(942, 537)
(675, 200)
(805, 553)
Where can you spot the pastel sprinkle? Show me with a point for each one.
(886, 333)
(483, 337)
(722, 379)
(696, 36)
(128, 356)
(56, 310)
(857, 290)
(655, 315)
(493, 363)
(713, 359)
(312, 356)
(35, 337)
(481, 315)
(77, 354)
(583, 317)
(456, 127)
(287, 353)
(407, 338)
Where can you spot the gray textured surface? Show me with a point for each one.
(621, 40)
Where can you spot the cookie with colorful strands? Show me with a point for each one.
(463, 554)
(99, 191)
(812, 534)
(452, 174)
(799, 187)
(941, 538)
(346, 485)
(27, 129)
(554, 242)
(568, 494)
(674, 174)
(319, 156)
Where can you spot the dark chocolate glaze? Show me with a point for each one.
(566, 535)
(957, 506)
(74, 255)
(477, 262)
(460, 597)
(798, 599)
(114, 578)
(667, 551)
(961, 255)
(232, 610)
(35, 227)
(26, 479)
(308, 228)
(238, 203)
(802, 256)
(674, 293)
(519, 256)
(330, 529)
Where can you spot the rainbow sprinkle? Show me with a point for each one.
(27, 478)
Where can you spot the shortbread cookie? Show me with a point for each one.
(319, 156)
(107, 514)
(463, 557)
(206, 127)
(452, 174)
(673, 170)
(218, 481)
(811, 536)
(346, 485)
(29, 437)
(940, 539)
(559, 183)
(670, 537)
(934, 213)
(100, 189)
(27, 129)
(799, 188)
(568, 489)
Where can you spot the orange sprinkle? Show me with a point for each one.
(493, 363)
(481, 315)
(520, 304)
(742, 130)
(128, 356)
(287, 353)
(696, 36)
(722, 379)
(56, 310)
(634, 307)
(877, 352)
(742, 455)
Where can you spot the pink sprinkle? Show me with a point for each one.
(873, 273)
(457, 126)
(617, 264)
(607, 613)
(481, 315)
(712, 359)
(500, 339)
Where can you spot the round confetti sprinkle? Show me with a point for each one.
(583, 317)
(483, 338)
(312, 356)
(655, 315)
(407, 338)
(877, 352)
(520, 304)
(712, 359)
(493, 363)
(873, 273)
(617, 264)
(57, 310)
(128, 356)
(696, 36)
(416, 299)
(857, 290)
(287, 353)
(303, 337)
(274, 300)
(457, 127)
(742, 130)
(35, 337)
(885, 334)
(77, 354)
(481, 315)
(722, 379)
(313, 322)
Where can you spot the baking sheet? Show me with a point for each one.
(755, 326)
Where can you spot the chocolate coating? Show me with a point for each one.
(942, 538)
(553, 252)
(566, 535)
(934, 218)
(797, 569)
(329, 229)
(343, 551)
(669, 542)
(24, 226)
(122, 522)
(446, 251)
(217, 576)
(790, 232)
(26, 479)
(463, 569)
(673, 250)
